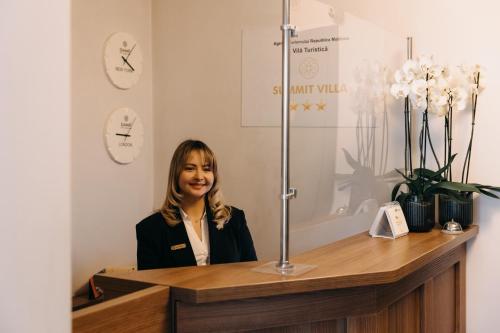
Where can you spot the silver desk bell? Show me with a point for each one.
(452, 228)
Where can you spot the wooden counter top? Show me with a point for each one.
(352, 262)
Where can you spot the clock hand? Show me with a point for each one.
(128, 55)
(128, 132)
(120, 134)
(125, 61)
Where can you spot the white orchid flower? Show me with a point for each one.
(403, 77)
(411, 70)
(431, 83)
(471, 72)
(439, 86)
(446, 72)
(474, 89)
(453, 77)
(400, 77)
(467, 72)
(436, 71)
(438, 97)
(479, 74)
(425, 62)
(419, 87)
(438, 101)
(439, 110)
(459, 98)
(419, 102)
(400, 90)
(410, 66)
(470, 69)
(460, 93)
(442, 84)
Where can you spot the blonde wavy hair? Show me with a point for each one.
(170, 209)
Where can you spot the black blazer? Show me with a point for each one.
(161, 246)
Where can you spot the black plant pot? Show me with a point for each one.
(459, 211)
(419, 214)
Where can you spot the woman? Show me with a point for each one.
(193, 227)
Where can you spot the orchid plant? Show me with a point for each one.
(432, 88)
(416, 82)
(473, 76)
(448, 95)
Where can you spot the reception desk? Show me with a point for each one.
(361, 284)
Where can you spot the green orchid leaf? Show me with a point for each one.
(428, 174)
(404, 176)
(455, 195)
(401, 198)
(489, 194)
(395, 190)
(446, 167)
(427, 188)
(413, 187)
(454, 186)
(489, 187)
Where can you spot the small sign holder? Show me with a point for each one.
(390, 222)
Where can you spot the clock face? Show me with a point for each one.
(123, 60)
(124, 135)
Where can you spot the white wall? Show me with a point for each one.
(108, 198)
(35, 168)
(455, 32)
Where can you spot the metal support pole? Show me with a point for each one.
(408, 116)
(409, 47)
(287, 193)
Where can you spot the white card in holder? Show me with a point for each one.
(390, 222)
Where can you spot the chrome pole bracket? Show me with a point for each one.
(292, 194)
(292, 28)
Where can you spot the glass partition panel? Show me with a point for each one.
(343, 145)
(343, 165)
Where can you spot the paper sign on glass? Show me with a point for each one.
(390, 222)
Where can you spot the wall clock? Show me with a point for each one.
(124, 135)
(122, 60)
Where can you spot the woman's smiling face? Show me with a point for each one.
(196, 177)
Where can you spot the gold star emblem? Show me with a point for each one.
(307, 106)
(293, 106)
(321, 106)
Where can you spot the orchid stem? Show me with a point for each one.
(469, 148)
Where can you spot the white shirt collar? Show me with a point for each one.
(201, 248)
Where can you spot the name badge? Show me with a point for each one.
(178, 247)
